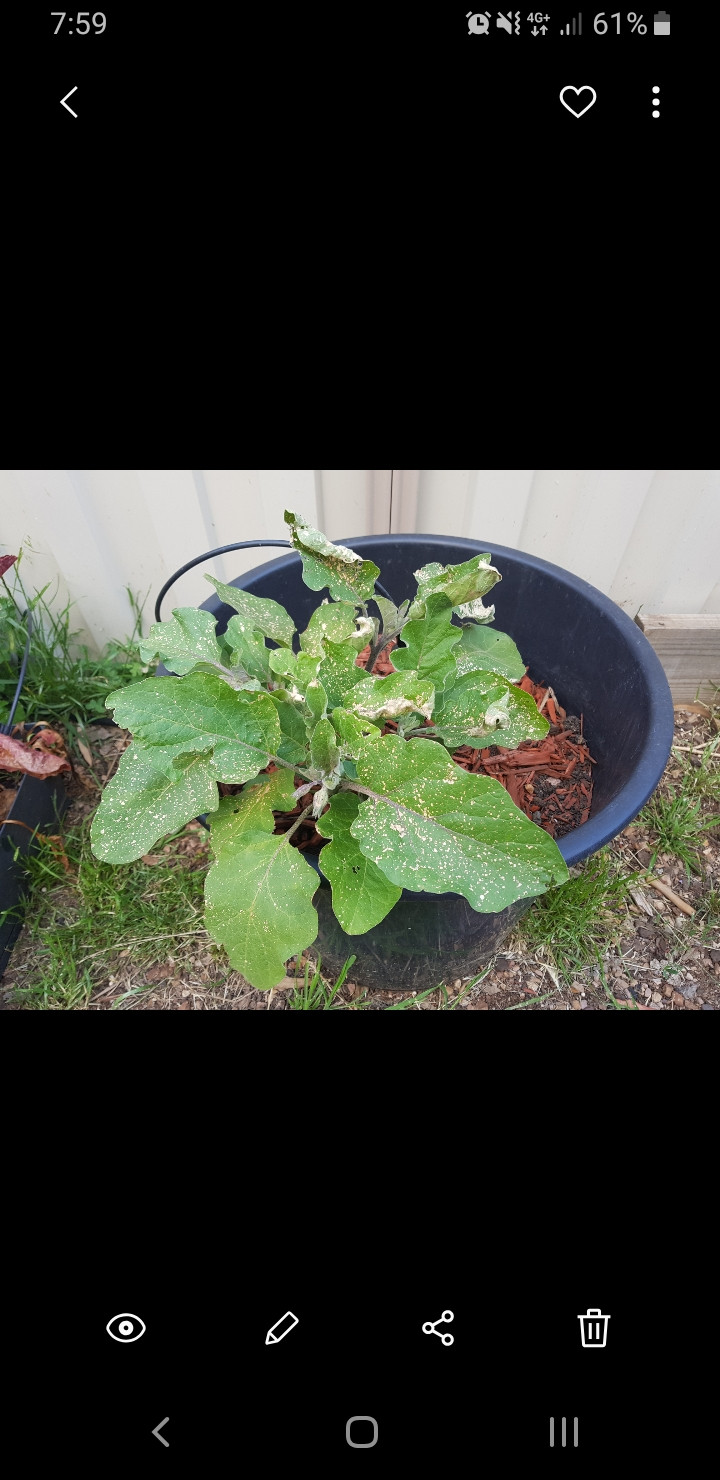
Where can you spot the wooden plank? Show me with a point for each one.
(688, 646)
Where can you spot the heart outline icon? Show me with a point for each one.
(577, 91)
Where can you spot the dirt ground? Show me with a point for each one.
(194, 975)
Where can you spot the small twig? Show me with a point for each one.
(669, 894)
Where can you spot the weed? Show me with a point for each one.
(580, 918)
(62, 683)
(677, 824)
(316, 995)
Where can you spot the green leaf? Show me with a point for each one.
(283, 662)
(294, 745)
(173, 716)
(347, 576)
(353, 732)
(389, 697)
(259, 612)
(429, 642)
(306, 669)
(186, 639)
(142, 803)
(248, 650)
(493, 652)
(392, 616)
(463, 584)
(333, 621)
(362, 895)
(251, 810)
(439, 829)
(324, 749)
(259, 889)
(316, 699)
(339, 673)
(485, 709)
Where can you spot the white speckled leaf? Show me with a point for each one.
(248, 649)
(259, 889)
(260, 612)
(251, 810)
(186, 639)
(442, 830)
(332, 621)
(353, 732)
(392, 615)
(389, 697)
(324, 749)
(429, 643)
(142, 803)
(347, 576)
(172, 716)
(463, 584)
(294, 744)
(494, 652)
(339, 673)
(486, 709)
(362, 895)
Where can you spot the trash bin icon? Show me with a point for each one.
(593, 1328)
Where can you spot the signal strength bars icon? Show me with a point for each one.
(574, 32)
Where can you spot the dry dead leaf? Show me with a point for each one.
(85, 753)
(642, 902)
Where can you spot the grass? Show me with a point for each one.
(63, 684)
(676, 819)
(94, 909)
(578, 920)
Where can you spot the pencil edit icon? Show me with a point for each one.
(287, 1323)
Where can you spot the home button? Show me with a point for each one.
(362, 1441)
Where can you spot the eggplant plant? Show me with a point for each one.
(397, 810)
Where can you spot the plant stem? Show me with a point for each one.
(296, 824)
(376, 650)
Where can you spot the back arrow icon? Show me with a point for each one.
(158, 1435)
(64, 104)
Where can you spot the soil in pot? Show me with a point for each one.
(428, 937)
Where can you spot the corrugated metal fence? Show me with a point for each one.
(648, 539)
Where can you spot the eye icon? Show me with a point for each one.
(125, 1328)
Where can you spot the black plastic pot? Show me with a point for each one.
(599, 664)
(39, 804)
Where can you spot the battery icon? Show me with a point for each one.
(593, 1328)
(661, 23)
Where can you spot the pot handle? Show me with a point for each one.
(224, 550)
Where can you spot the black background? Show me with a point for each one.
(481, 1406)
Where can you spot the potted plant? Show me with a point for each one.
(429, 864)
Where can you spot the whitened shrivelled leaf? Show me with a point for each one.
(200, 713)
(362, 895)
(259, 889)
(260, 612)
(142, 803)
(324, 749)
(339, 673)
(463, 584)
(486, 709)
(389, 697)
(333, 621)
(492, 652)
(186, 639)
(429, 643)
(294, 744)
(247, 649)
(347, 576)
(439, 829)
